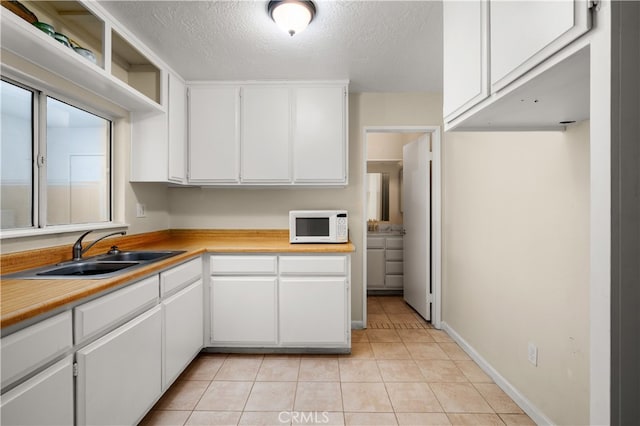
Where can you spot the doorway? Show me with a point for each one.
(383, 205)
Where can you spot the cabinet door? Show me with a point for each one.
(243, 310)
(45, 399)
(319, 141)
(119, 375)
(313, 310)
(214, 136)
(465, 79)
(525, 33)
(266, 118)
(183, 331)
(375, 268)
(177, 129)
(149, 150)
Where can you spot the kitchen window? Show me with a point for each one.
(56, 161)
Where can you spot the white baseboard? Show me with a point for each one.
(526, 405)
(357, 325)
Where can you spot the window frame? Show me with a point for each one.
(40, 94)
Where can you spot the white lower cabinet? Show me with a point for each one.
(385, 266)
(183, 331)
(243, 310)
(283, 301)
(130, 344)
(119, 374)
(312, 311)
(45, 399)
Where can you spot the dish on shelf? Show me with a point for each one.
(44, 27)
(62, 39)
(20, 10)
(86, 53)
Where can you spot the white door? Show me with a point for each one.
(319, 135)
(119, 375)
(214, 134)
(243, 310)
(525, 33)
(417, 218)
(45, 399)
(313, 310)
(265, 134)
(177, 129)
(183, 334)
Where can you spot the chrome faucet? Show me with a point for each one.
(78, 251)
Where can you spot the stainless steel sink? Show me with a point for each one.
(87, 268)
(96, 267)
(136, 256)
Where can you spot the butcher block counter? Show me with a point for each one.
(24, 299)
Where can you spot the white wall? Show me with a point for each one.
(516, 259)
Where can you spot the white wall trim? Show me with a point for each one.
(526, 405)
(436, 219)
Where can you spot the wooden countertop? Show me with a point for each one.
(22, 299)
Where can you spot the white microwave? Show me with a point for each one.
(318, 226)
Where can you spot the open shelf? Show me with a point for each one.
(134, 82)
(133, 68)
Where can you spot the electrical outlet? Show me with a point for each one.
(532, 353)
(141, 210)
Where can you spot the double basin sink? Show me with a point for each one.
(101, 266)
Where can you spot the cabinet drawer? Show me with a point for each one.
(313, 265)
(31, 347)
(180, 276)
(375, 242)
(243, 265)
(393, 254)
(109, 310)
(394, 268)
(393, 281)
(395, 243)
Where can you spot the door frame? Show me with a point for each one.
(436, 216)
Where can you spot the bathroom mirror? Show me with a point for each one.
(378, 196)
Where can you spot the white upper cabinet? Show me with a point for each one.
(281, 134)
(515, 64)
(319, 149)
(214, 134)
(465, 79)
(525, 33)
(158, 140)
(177, 130)
(266, 134)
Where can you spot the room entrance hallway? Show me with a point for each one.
(392, 312)
(401, 371)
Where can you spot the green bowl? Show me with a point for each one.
(43, 26)
(62, 39)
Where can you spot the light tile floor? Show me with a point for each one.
(401, 371)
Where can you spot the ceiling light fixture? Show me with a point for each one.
(292, 16)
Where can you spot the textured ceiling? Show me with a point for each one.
(380, 46)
